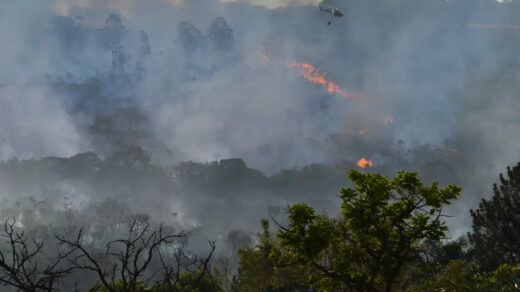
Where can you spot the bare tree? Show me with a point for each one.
(185, 263)
(21, 262)
(126, 260)
(173, 266)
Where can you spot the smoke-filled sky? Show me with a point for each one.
(419, 77)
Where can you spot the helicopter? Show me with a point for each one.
(334, 11)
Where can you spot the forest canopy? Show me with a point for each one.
(389, 235)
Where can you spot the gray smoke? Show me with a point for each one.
(206, 80)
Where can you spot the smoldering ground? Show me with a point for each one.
(216, 84)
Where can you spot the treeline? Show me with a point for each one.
(194, 189)
(388, 235)
(122, 44)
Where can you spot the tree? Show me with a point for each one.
(495, 236)
(131, 157)
(220, 34)
(113, 35)
(257, 272)
(381, 227)
(131, 256)
(143, 52)
(191, 40)
(185, 272)
(439, 254)
(190, 36)
(179, 277)
(460, 275)
(144, 49)
(21, 264)
(436, 262)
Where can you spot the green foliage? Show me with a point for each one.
(452, 250)
(256, 271)
(434, 257)
(457, 275)
(460, 275)
(380, 229)
(506, 278)
(495, 237)
(119, 286)
(196, 281)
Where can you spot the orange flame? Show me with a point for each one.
(388, 120)
(312, 74)
(364, 162)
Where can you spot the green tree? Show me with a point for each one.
(197, 281)
(119, 286)
(256, 271)
(494, 237)
(381, 227)
(462, 276)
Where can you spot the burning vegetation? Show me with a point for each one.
(363, 162)
(312, 74)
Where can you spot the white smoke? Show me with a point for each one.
(35, 124)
